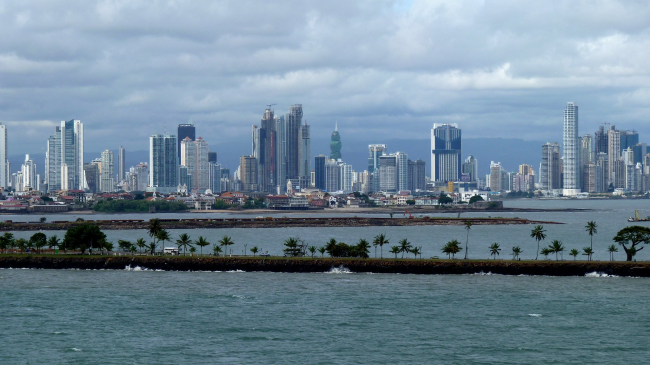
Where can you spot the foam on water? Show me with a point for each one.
(596, 274)
(339, 270)
(74, 349)
(534, 314)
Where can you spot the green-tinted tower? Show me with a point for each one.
(335, 144)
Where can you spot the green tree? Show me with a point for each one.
(202, 242)
(538, 234)
(546, 251)
(516, 251)
(152, 247)
(588, 251)
(141, 243)
(163, 235)
(53, 241)
(192, 250)
(330, 247)
(451, 248)
(395, 250)
(38, 240)
(476, 198)
(380, 240)
(574, 253)
(634, 235)
(154, 229)
(312, 250)
(133, 250)
(83, 237)
(444, 199)
(216, 249)
(255, 250)
(405, 246)
(556, 247)
(416, 251)
(226, 241)
(292, 249)
(362, 249)
(7, 241)
(494, 250)
(321, 250)
(42, 220)
(468, 226)
(612, 248)
(21, 244)
(591, 228)
(124, 245)
(183, 242)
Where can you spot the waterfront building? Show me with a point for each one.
(294, 140)
(212, 157)
(496, 178)
(319, 172)
(186, 130)
(335, 144)
(64, 157)
(613, 156)
(602, 171)
(388, 174)
(91, 172)
(417, 175)
(163, 163)
(332, 176)
(107, 179)
(571, 158)
(633, 177)
(121, 164)
(215, 177)
(248, 173)
(194, 156)
(29, 178)
(590, 178)
(470, 166)
(347, 177)
(280, 141)
(446, 151)
(374, 152)
(5, 171)
(549, 171)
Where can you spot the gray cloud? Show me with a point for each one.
(387, 69)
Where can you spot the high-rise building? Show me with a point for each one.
(91, 171)
(602, 172)
(212, 157)
(163, 165)
(121, 164)
(319, 172)
(590, 178)
(29, 176)
(496, 181)
(629, 139)
(470, 166)
(388, 173)
(64, 157)
(640, 150)
(184, 131)
(194, 156)
(294, 140)
(304, 154)
(4, 165)
(335, 144)
(417, 175)
(571, 159)
(549, 173)
(248, 173)
(215, 177)
(600, 140)
(446, 150)
(402, 171)
(374, 152)
(346, 175)
(332, 176)
(107, 180)
(613, 156)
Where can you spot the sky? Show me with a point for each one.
(380, 68)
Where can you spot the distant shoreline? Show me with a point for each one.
(320, 265)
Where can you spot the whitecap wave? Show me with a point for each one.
(534, 314)
(339, 270)
(235, 271)
(135, 268)
(74, 349)
(597, 274)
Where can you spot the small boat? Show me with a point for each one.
(636, 218)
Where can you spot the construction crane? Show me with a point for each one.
(407, 212)
(270, 105)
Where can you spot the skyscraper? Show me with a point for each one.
(248, 173)
(446, 150)
(29, 176)
(613, 156)
(571, 159)
(185, 131)
(549, 173)
(294, 139)
(121, 164)
(107, 180)
(4, 167)
(335, 144)
(388, 173)
(417, 178)
(163, 165)
(194, 156)
(470, 166)
(304, 155)
(374, 152)
(600, 140)
(319, 171)
(64, 157)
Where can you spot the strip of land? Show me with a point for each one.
(266, 222)
(317, 265)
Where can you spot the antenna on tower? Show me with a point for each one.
(336, 126)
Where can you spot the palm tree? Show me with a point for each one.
(330, 246)
(216, 249)
(163, 235)
(183, 241)
(611, 249)
(588, 252)
(152, 246)
(545, 251)
(380, 240)
(255, 250)
(451, 248)
(133, 249)
(556, 247)
(192, 250)
(362, 248)
(538, 234)
(416, 251)
(494, 250)
(202, 242)
(395, 250)
(312, 250)
(322, 251)
(574, 253)
(405, 246)
(8, 240)
(468, 226)
(140, 242)
(591, 228)
(53, 241)
(226, 241)
(516, 251)
(154, 229)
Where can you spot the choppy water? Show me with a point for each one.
(126, 317)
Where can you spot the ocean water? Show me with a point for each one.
(146, 317)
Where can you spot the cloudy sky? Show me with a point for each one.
(381, 68)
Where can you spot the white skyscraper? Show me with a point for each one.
(571, 151)
(4, 166)
(194, 156)
(64, 157)
(121, 164)
(107, 180)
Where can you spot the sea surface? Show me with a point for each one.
(136, 316)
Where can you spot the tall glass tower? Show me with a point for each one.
(446, 150)
(571, 151)
(335, 144)
(163, 165)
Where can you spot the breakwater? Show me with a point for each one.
(307, 265)
(265, 222)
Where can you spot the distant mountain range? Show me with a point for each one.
(511, 152)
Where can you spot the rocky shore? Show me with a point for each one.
(307, 265)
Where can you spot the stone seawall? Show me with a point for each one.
(505, 267)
